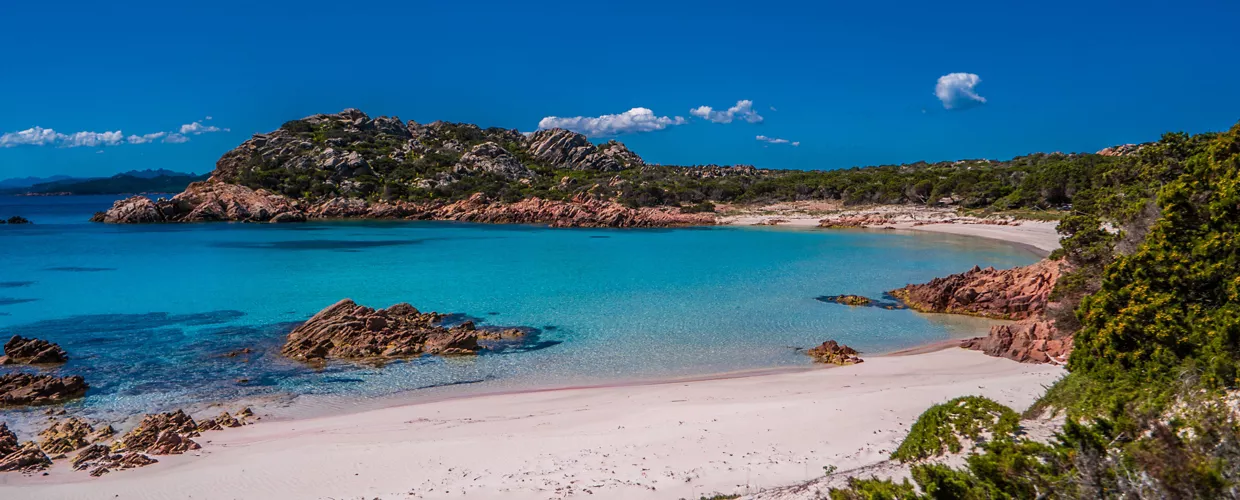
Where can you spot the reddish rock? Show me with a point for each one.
(21, 350)
(65, 436)
(854, 221)
(581, 211)
(848, 300)
(8, 441)
(347, 330)
(27, 458)
(103, 461)
(834, 353)
(1017, 293)
(220, 422)
(24, 389)
(161, 434)
(1032, 340)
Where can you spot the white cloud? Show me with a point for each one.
(743, 110)
(633, 120)
(143, 139)
(776, 140)
(197, 128)
(39, 136)
(956, 91)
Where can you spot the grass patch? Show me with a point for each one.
(938, 430)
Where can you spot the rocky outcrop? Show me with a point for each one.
(16, 219)
(21, 350)
(26, 458)
(346, 330)
(1017, 293)
(1031, 340)
(161, 434)
(579, 212)
(67, 435)
(854, 221)
(8, 441)
(224, 420)
(562, 148)
(102, 460)
(832, 352)
(492, 158)
(24, 389)
(848, 300)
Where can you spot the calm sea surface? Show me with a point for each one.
(146, 312)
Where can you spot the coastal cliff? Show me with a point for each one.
(1021, 294)
(348, 165)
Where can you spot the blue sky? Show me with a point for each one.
(853, 83)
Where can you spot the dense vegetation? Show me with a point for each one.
(425, 168)
(1150, 398)
(939, 429)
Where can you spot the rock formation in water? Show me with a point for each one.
(21, 350)
(346, 330)
(1017, 293)
(348, 165)
(24, 389)
(835, 353)
(848, 300)
(16, 219)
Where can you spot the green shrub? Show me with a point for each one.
(939, 429)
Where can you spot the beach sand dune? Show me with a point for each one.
(658, 441)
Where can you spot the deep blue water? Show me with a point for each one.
(146, 312)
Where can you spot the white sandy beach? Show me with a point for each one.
(669, 440)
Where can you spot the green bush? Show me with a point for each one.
(938, 430)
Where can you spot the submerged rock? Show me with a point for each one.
(21, 350)
(24, 389)
(17, 219)
(346, 330)
(848, 300)
(834, 353)
(1017, 293)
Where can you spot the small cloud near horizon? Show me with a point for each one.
(776, 140)
(631, 121)
(743, 110)
(956, 91)
(39, 136)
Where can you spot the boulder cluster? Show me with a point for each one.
(26, 389)
(21, 350)
(835, 353)
(1017, 293)
(346, 330)
(99, 453)
(16, 219)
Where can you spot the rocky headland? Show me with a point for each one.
(1021, 294)
(346, 330)
(348, 165)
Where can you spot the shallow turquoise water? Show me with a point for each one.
(146, 311)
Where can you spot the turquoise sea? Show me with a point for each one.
(146, 312)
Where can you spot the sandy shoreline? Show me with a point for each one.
(730, 433)
(1039, 236)
(670, 440)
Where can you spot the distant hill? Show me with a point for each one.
(147, 181)
(24, 182)
(151, 174)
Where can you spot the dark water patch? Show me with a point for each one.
(15, 284)
(338, 245)
(7, 301)
(599, 237)
(4, 314)
(123, 323)
(529, 342)
(550, 328)
(76, 269)
(458, 382)
(493, 313)
(454, 319)
(341, 380)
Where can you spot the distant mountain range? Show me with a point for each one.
(133, 181)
